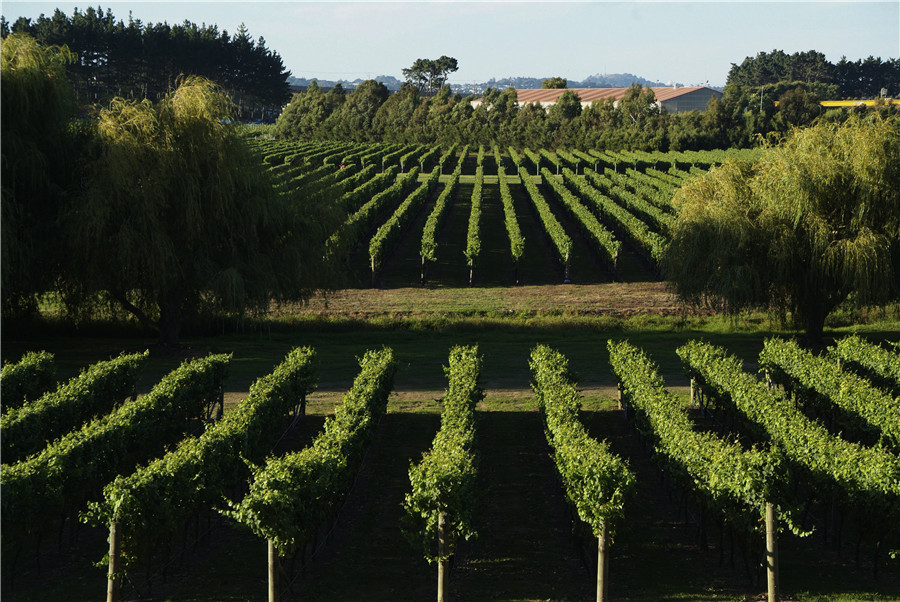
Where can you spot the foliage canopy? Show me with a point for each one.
(37, 107)
(555, 83)
(143, 60)
(179, 216)
(853, 79)
(430, 75)
(814, 223)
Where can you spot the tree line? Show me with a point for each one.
(371, 113)
(851, 79)
(145, 60)
(740, 119)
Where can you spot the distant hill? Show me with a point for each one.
(390, 82)
(607, 80)
(615, 80)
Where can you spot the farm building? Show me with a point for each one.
(673, 99)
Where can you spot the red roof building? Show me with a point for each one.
(673, 99)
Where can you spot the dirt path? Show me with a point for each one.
(615, 299)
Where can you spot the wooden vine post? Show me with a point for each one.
(602, 562)
(273, 572)
(442, 561)
(771, 553)
(114, 579)
(771, 537)
(697, 396)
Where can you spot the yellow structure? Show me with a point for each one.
(858, 103)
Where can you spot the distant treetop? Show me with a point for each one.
(429, 75)
(555, 83)
(859, 79)
(146, 60)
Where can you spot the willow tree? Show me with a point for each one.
(814, 223)
(37, 105)
(178, 216)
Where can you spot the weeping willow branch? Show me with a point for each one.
(815, 221)
(180, 213)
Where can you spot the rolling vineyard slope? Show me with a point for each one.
(617, 199)
(290, 496)
(473, 234)
(389, 232)
(720, 476)
(510, 219)
(606, 244)
(429, 245)
(872, 361)
(831, 470)
(847, 398)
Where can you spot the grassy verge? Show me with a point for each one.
(423, 333)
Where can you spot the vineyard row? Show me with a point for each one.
(775, 459)
(594, 200)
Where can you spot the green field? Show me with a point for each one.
(527, 548)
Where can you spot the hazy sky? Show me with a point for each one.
(684, 42)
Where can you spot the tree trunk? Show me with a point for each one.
(816, 310)
(602, 563)
(815, 324)
(133, 309)
(170, 316)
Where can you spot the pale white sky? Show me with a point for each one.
(670, 41)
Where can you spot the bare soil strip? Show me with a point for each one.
(614, 299)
